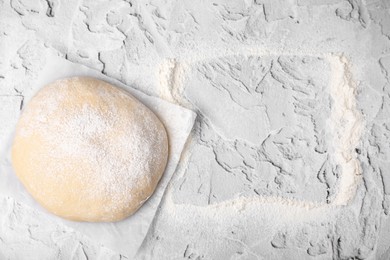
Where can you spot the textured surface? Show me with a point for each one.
(258, 178)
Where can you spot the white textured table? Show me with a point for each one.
(290, 155)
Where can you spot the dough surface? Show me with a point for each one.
(89, 151)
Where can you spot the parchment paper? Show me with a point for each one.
(124, 237)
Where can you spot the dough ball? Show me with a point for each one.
(88, 151)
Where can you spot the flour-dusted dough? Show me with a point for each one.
(88, 151)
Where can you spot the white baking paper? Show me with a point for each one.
(124, 237)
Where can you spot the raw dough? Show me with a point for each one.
(88, 151)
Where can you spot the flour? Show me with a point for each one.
(347, 125)
(331, 200)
